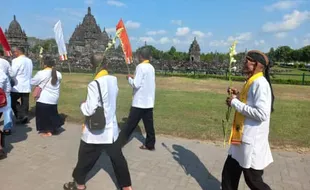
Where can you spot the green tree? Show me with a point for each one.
(283, 53)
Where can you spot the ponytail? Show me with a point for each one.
(54, 76)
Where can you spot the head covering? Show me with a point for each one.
(260, 57)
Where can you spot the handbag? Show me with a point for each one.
(97, 121)
(37, 91)
(3, 100)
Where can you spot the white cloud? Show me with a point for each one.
(219, 43)
(147, 40)
(116, 3)
(176, 41)
(158, 32)
(240, 38)
(280, 35)
(260, 42)
(72, 12)
(201, 34)
(290, 22)
(110, 30)
(177, 22)
(296, 40)
(89, 2)
(132, 25)
(164, 40)
(182, 31)
(282, 5)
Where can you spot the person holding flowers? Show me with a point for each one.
(249, 151)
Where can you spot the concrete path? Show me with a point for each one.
(36, 163)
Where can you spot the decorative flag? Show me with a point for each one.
(4, 43)
(59, 37)
(124, 40)
(41, 52)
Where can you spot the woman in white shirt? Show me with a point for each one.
(5, 87)
(94, 141)
(48, 120)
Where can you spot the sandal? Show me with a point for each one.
(2, 154)
(143, 147)
(72, 186)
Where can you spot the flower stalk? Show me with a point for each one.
(225, 122)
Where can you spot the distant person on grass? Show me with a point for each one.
(103, 90)
(143, 84)
(48, 121)
(250, 152)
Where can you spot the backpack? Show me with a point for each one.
(3, 101)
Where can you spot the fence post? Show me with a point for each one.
(226, 75)
(303, 79)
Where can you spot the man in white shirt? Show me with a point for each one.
(143, 85)
(6, 68)
(250, 151)
(22, 72)
(94, 141)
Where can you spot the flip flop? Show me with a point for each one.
(143, 147)
(72, 186)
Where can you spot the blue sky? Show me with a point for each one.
(256, 24)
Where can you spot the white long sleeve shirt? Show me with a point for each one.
(6, 86)
(143, 86)
(22, 72)
(109, 91)
(254, 152)
(50, 93)
(6, 67)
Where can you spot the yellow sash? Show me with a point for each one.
(100, 74)
(146, 61)
(238, 124)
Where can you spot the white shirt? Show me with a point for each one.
(22, 71)
(50, 93)
(109, 91)
(6, 86)
(254, 152)
(143, 86)
(6, 67)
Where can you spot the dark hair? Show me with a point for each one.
(145, 53)
(21, 49)
(1, 52)
(50, 62)
(260, 57)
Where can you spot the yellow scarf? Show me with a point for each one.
(146, 61)
(101, 74)
(237, 128)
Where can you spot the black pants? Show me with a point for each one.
(20, 111)
(135, 115)
(90, 153)
(232, 172)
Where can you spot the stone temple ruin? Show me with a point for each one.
(16, 36)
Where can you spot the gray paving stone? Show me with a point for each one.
(36, 163)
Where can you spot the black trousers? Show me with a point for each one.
(20, 110)
(90, 153)
(135, 115)
(232, 172)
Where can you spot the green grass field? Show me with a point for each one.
(193, 108)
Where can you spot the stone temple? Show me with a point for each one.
(16, 36)
(88, 37)
(194, 51)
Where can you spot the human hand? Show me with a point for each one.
(229, 99)
(129, 76)
(233, 91)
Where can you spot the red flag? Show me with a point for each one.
(4, 43)
(122, 35)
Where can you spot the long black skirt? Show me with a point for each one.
(47, 118)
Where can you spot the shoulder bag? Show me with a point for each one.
(97, 121)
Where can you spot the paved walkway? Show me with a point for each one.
(36, 163)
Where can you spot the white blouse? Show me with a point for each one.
(109, 91)
(254, 152)
(6, 86)
(50, 93)
(143, 86)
